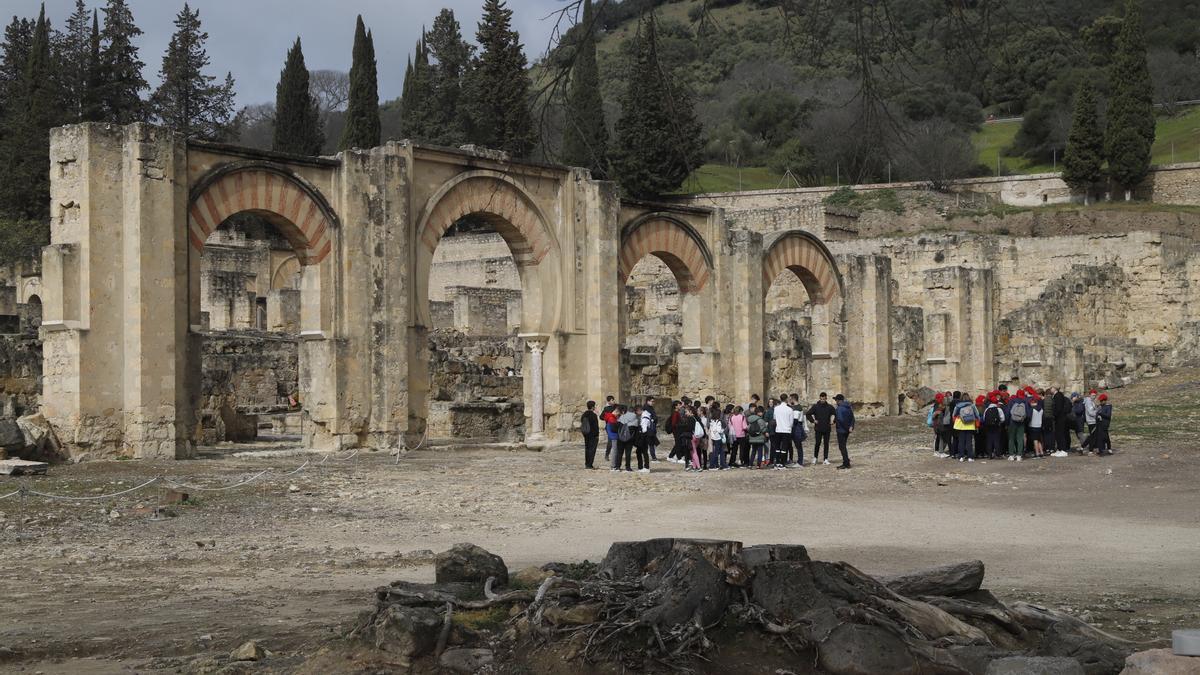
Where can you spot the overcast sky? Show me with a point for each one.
(250, 38)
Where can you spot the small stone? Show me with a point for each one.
(1161, 662)
(250, 651)
(530, 577)
(293, 488)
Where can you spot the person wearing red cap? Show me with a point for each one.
(935, 422)
(993, 426)
(1018, 416)
(1104, 412)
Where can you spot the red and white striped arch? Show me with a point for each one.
(289, 205)
(809, 260)
(671, 241)
(510, 212)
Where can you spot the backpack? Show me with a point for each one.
(1019, 412)
(698, 430)
(585, 426)
(948, 417)
(929, 417)
(652, 428)
(991, 417)
(758, 427)
(625, 433)
(969, 414)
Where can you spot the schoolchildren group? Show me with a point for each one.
(710, 436)
(1028, 423)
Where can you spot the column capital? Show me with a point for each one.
(535, 342)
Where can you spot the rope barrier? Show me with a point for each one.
(25, 489)
(424, 435)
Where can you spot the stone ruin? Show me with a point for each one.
(665, 605)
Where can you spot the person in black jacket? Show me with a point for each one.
(844, 419)
(589, 426)
(821, 415)
(1062, 426)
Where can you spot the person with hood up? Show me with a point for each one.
(844, 421)
(993, 426)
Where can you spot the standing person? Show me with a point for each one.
(1090, 406)
(609, 416)
(1049, 436)
(1061, 408)
(1078, 411)
(756, 433)
(1036, 416)
(1104, 413)
(642, 441)
(699, 436)
(936, 411)
(740, 443)
(627, 431)
(781, 439)
(993, 426)
(716, 440)
(672, 431)
(589, 426)
(683, 435)
(753, 405)
(727, 422)
(799, 429)
(650, 430)
(770, 418)
(966, 423)
(1018, 415)
(844, 420)
(821, 415)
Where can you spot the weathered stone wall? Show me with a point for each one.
(244, 375)
(476, 387)
(20, 375)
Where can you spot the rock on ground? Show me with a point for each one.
(465, 661)
(468, 562)
(947, 580)
(249, 651)
(1161, 662)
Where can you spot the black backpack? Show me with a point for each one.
(625, 433)
(585, 425)
(758, 427)
(991, 417)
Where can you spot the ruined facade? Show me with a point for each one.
(753, 290)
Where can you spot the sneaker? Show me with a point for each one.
(970, 460)
(826, 462)
(614, 469)
(961, 459)
(643, 470)
(843, 466)
(1018, 458)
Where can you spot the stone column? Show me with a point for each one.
(537, 394)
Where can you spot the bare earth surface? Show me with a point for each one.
(291, 561)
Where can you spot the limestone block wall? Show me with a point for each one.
(244, 375)
(20, 375)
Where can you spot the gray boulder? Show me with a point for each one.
(407, 632)
(1034, 665)
(468, 562)
(1161, 662)
(853, 649)
(11, 438)
(753, 556)
(466, 661)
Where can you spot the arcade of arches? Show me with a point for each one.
(131, 288)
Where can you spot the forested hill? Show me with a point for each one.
(865, 90)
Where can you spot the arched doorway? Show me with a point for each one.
(259, 240)
(488, 203)
(802, 322)
(31, 314)
(664, 319)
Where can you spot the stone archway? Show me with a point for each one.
(808, 259)
(503, 204)
(686, 255)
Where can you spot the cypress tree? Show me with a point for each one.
(1084, 155)
(1131, 123)
(585, 136)
(451, 57)
(121, 81)
(362, 113)
(499, 91)
(75, 61)
(93, 102)
(18, 38)
(25, 146)
(415, 101)
(297, 119)
(658, 136)
(188, 100)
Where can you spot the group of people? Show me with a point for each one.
(1026, 423)
(710, 436)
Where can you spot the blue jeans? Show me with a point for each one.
(756, 453)
(799, 443)
(716, 458)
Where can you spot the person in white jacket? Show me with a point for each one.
(716, 439)
(781, 439)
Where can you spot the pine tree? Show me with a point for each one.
(416, 97)
(1131, 123)
(18, 38)
(297, 118)
(121, 81)
(188, 100)
(585, 136)
(1084, 156)
(75, 62)
(362, 114)
(451, 57)
(499, 86)
(658, 136)
(34, 109)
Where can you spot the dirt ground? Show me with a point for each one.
(103, 586)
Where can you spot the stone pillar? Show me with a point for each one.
(868, 344)
(283, 310)
(747, 314)
(959, 329)
(116, 358)
(598, 209)
(537, 393)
